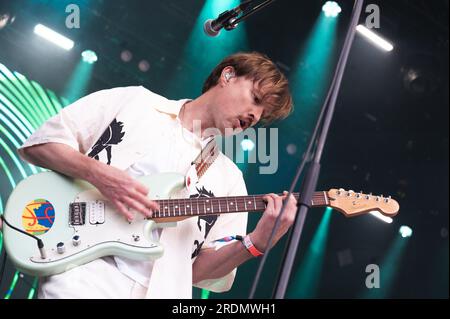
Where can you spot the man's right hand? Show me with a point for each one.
(122, 190)
(116, 185)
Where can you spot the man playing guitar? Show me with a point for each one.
(110, 137)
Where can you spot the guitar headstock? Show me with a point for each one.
(351, 203)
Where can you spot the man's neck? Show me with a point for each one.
(196, 112)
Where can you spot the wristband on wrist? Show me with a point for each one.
(250, 247)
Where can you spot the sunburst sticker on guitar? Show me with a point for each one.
(38, 217)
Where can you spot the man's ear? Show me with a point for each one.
(227, 74)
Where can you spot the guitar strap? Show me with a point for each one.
(201, 163)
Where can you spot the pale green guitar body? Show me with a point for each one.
(104, 232)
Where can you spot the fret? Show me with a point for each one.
(232, 204)
(169, 207)
(198, 212)
(220, 209)
(212, 206)
(204, 207)
(236, 202)
(190, 205)
(254, 202)
(173, 207)
(185, 213)
(228, 205)
(176, 207)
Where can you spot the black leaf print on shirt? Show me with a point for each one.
(111, 136)
(209, 220)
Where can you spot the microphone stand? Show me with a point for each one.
(309, 184)
(233, 21)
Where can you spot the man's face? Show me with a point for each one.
(236, 105)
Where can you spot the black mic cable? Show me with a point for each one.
(40, 243)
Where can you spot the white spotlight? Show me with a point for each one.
(405, 231)
(53, 37)
(376, 39)
(379, 215)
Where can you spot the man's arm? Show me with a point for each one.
(212, 264)
(114, 184)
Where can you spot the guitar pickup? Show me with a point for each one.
(96, 212)
(77, 213)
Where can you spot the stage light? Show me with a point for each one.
(376, 39)
(306, 281)
(291, 149)
(380, 216)
(144, 66)
(405, 231)
(247, 145)
(331, 9)
(126, 55)
(89, 56)
(53, 37)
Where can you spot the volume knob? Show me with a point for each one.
(60, 248)
(76, 240)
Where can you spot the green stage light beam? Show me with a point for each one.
(33, 288)
(52, 110)
(37, 102)
(12, 286)
(307, 277)
(16, 87)
(202, 53)
(311, 73)
(24, 106)
(1, 213)
(388, 269)
(24, 115)
(17, 114)
(79, 81)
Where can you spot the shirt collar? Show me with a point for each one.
(173, 108)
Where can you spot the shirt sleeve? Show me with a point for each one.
(81, 123)
(226, 225)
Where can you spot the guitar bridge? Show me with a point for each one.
(77, 214)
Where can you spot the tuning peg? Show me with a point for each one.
(367, 196)
(358, 195)
(377, 198)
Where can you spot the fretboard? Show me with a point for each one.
(221, 205)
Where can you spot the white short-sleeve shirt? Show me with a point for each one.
(139, 131)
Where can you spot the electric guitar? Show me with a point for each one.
(76, 224)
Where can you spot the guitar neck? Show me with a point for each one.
(222, 205)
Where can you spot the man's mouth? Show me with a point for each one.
(243, 124)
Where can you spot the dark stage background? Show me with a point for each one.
(389, 135)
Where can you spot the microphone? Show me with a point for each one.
(224, 20)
